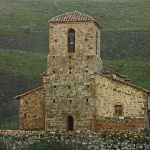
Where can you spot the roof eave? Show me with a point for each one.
(127, 83)
(26, 93)
(95, 22)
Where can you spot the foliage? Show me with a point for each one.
(9, 125)
(44, 145)
(2, 146)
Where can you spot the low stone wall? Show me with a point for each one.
(103, 140)
(115, 123)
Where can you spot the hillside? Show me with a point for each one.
(125, 23)
(17, 16)
(125, 42)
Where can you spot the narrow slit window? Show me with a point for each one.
(53, 101)
(87, 86)
(96, 43)
(70, 101)
(25, 116)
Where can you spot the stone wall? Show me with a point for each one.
(31, 111)
(79, 140)
(111, 92)
(129, 123)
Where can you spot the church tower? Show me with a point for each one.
(74, 57)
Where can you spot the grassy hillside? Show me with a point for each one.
(125, 33)
(137, 71)
(111, 14)
(27, 64)
(19, 72)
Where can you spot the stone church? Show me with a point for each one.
(77, 92)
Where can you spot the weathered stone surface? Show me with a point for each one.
(31, 112)
(78, 93)
(78, 141)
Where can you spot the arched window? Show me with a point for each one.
(71, 41)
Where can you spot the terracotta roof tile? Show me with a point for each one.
(105, 70)
(126, 83)
(72, 17)
(26, 93)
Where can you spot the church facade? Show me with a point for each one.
(77, 92)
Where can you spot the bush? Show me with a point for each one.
(2, 146)
(44, 145)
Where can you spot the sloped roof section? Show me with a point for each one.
(26, 93)
(124, 82)
(72, 17)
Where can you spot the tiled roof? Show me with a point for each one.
(72, 17)
(105, 70)
(26, 93)
(126, 83)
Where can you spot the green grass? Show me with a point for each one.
(16, 15)
(9, 126)
(44, 145)
(28, 64)
(137, 71)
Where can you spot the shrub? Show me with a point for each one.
(2, 146)
(44, 145)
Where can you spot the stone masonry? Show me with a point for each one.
(78, 93)
(77, 140)
(31, 111)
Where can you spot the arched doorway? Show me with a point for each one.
(70, 123)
